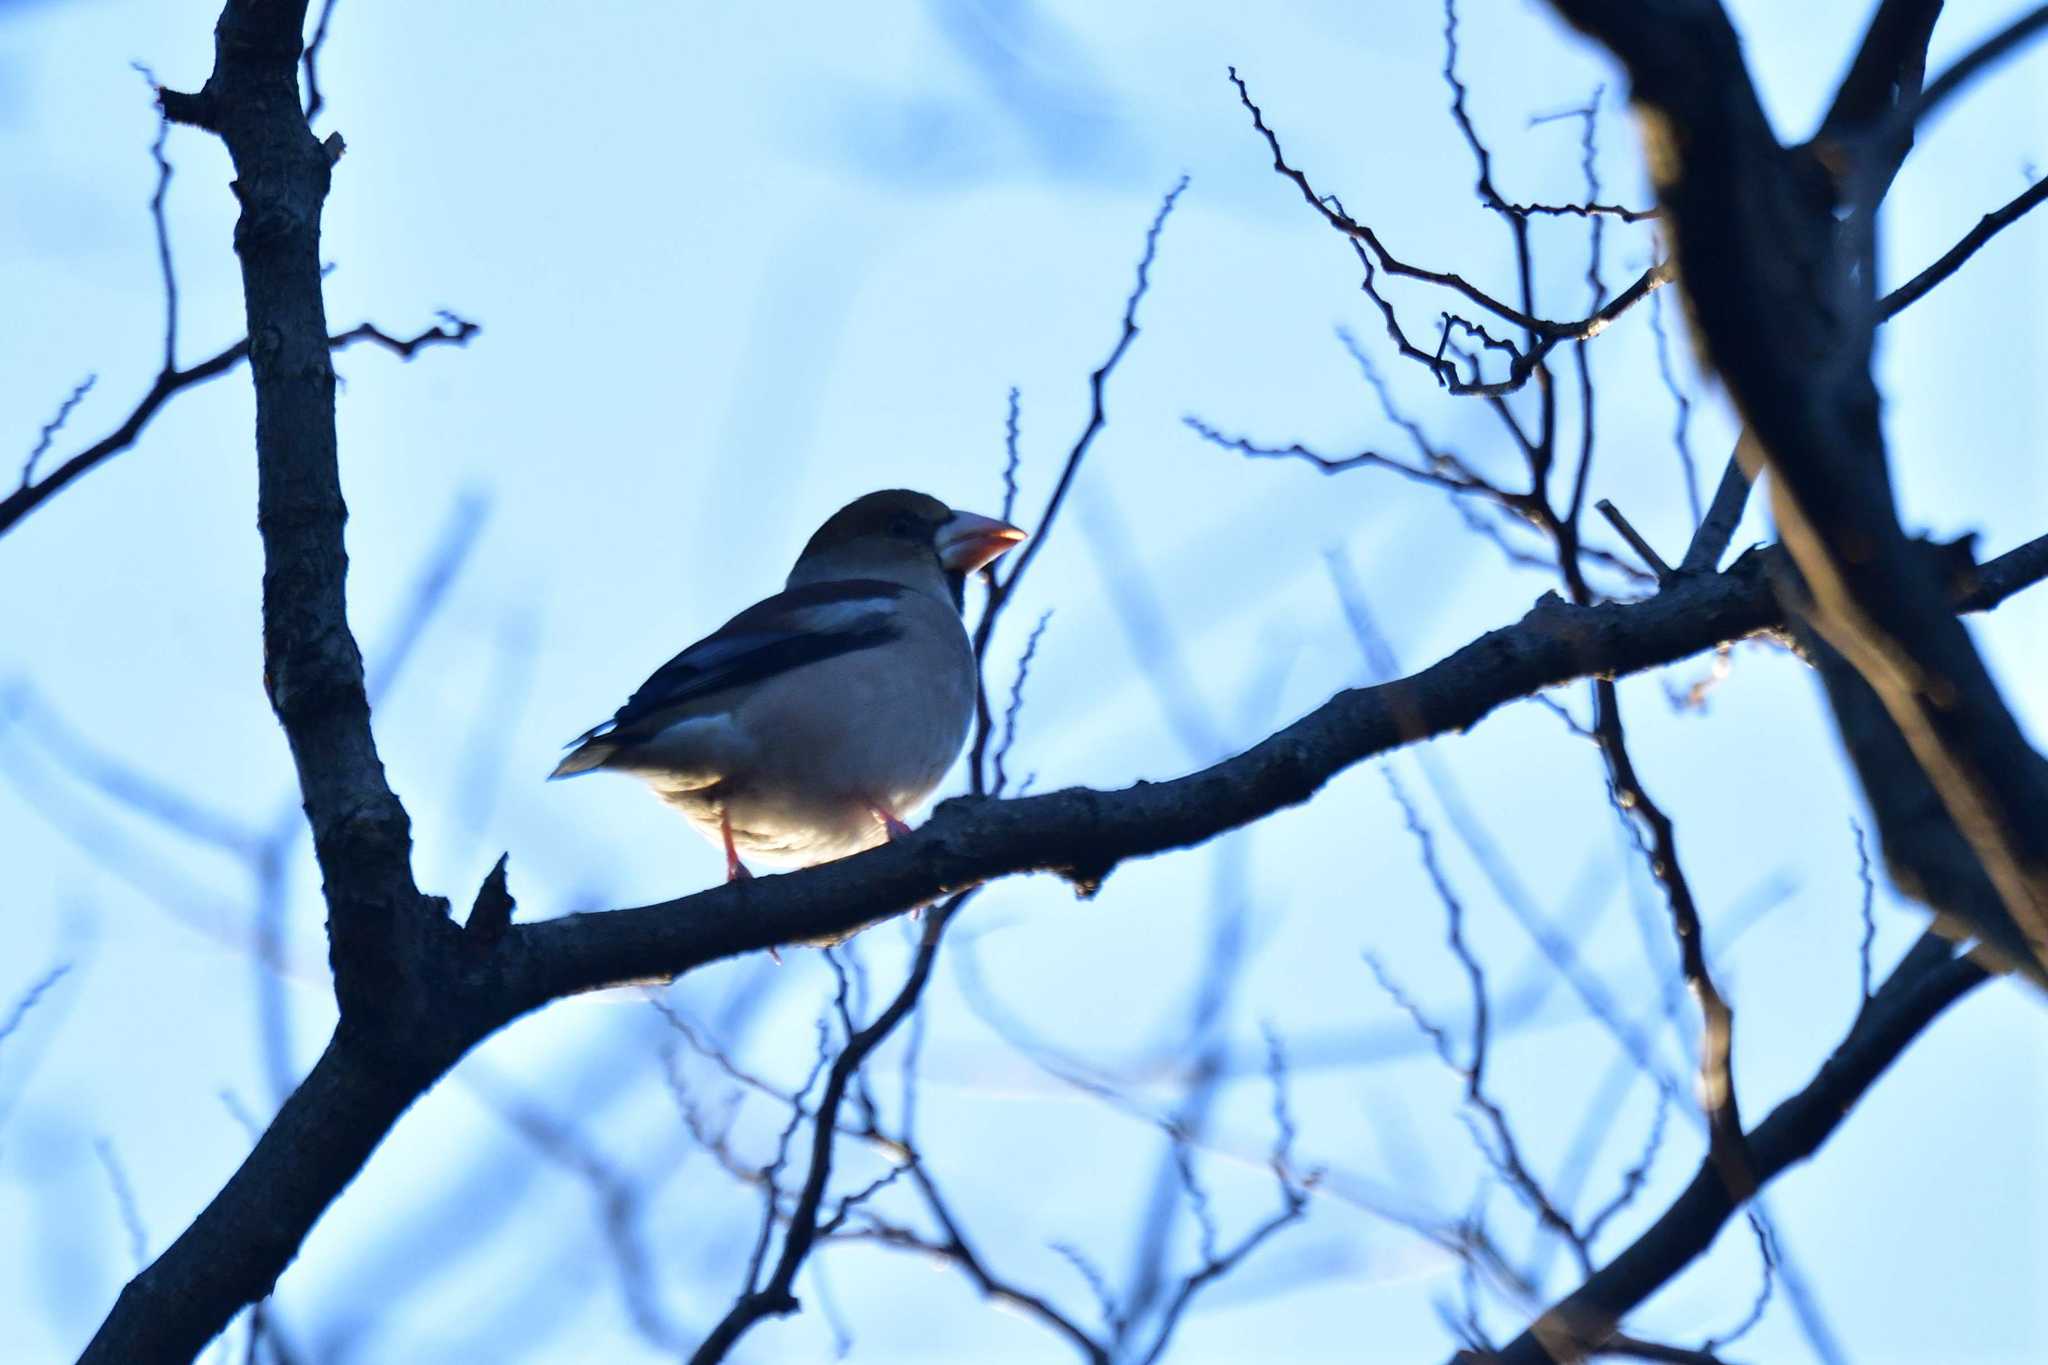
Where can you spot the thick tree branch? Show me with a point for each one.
(394, 1038)
(1081, 834)
(1943, 871)
(313, 670)
(1783, 299)
(233, 1252)
(354, 1094)
(1888, 70)
(417, 992)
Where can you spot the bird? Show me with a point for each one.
(810, 725)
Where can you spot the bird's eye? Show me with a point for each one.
(905, 527)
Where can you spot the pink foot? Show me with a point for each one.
(895, 829)
(885, 817)
(735, 870)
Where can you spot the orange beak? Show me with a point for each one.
(967, 541)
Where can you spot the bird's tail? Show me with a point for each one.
(588, 756)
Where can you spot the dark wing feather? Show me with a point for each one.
(785, 631)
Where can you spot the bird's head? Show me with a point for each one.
(903, 537)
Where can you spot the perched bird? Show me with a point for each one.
(808, 726)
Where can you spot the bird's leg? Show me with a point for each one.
(735, 870)
(895, 829)
(886, 818)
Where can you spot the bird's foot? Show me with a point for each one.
(735, 870)
(895, 829)
(891, 826)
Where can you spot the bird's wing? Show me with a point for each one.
(786, 631)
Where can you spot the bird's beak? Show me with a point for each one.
(966, 541)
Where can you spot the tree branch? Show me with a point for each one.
(1786, 314)
(1950, 261)
(450, 331)
(416, 991)
(352, 1097)
(1924, 984)
(313, 670)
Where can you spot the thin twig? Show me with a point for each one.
(1950, 261)
(163, 231)
(451, 330)
(1626, 215)
(30, 998)
(1547, 334)
(1002, 587)
(1869, 917)
(1681, 431)
(53, 426)
(775, 1297)
(1635, 539)
(1716, 1077)
(1012, 460)
(1015, 708)
(1768, 1256)
(124, 1200)
(310, 61)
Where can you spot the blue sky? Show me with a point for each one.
(735, 265)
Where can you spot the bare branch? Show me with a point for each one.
(163, 231)
(1636, 1176)
(1681, 437)
(1793, 342)
(1293, 1203)
(1952, 260)
(1012, 458)
(954, 1251)
(1863, 975)
(620, 1202)
(1710, 542)
(1635, 540)
(1924, 984)
(1768, 1280)
(310, 62)
(1003, 586)
(1898, 121)
(1374, 254)
(30, 998)
(1716, 1078)
(124, 1200)
(1016, 705)
(1724, 514)
(1626, 215)
(776, 1297)
(18, 504)
(1889, 67)
(416, 993)
(53, 426)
